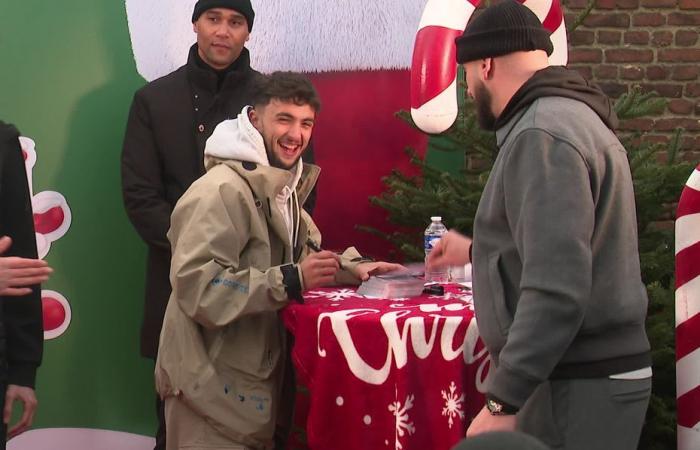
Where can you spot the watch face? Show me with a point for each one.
(499, 409)
(494, 407)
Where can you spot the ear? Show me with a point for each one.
(254, 117)
(486, 68)
(194, 26)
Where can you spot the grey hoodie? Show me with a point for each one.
(557, 283)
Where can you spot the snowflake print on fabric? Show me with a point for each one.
(336, 295)
(453, 404)
(402, 420)
(464, 298)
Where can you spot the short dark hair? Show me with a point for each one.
(286, 86)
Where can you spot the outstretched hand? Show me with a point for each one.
(364, 270)
(451, 250)
(16, 273)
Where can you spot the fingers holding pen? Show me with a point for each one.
(319, 269)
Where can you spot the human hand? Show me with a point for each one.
(28, 398)
(451, 250)
(318, 269)
(364, 270)
(485, 422)
(17, 273)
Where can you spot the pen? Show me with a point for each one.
(313, 245)
(317, 248)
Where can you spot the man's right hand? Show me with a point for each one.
(318, 269)
(451, 250)
(17, 273)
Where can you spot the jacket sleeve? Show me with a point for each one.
(142, 178)
(209, 283)
(21, 316)
(349, 259)
(551, 213)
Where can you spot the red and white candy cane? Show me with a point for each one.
(688, 314)
(434, 70)
(551, 15)
(434, 104)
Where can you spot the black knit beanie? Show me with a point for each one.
(501, 29)
(242, 6)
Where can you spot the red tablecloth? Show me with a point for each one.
(387, 374)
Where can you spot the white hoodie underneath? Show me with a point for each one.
(239, 140)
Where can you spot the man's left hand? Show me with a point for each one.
(364, 270)
(28, 398)
(485, 422)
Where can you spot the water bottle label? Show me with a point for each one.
(430, 241)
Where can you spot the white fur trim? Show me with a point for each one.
(161, 34)
(300, 35)
(344, 35)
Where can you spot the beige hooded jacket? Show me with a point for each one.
(222, 346)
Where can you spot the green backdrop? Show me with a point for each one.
(67, 80)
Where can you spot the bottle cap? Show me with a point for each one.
(436, 218)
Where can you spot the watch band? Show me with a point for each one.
(498, 408)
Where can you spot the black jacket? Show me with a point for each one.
(21, 322)
(169, 123)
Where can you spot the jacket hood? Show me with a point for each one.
(237, 139)
(557, 81)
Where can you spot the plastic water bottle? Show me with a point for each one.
(433, 234)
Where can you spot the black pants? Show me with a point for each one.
(3, 427)
(160, 432)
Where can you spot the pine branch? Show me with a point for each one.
(581, 17)
(637, 104)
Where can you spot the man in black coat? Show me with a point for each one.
(169, 123)
(21, 327)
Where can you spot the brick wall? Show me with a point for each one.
(651, 43)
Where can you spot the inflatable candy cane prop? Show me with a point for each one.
(434, 71)
(688, 313)
(551, 15)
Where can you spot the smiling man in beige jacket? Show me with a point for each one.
(239, 240)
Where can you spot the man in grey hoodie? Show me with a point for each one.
(557, 285)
